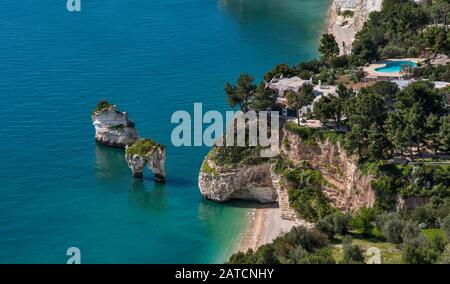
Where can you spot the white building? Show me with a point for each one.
(283, 85)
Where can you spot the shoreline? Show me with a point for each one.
(263, 226)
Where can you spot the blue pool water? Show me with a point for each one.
(395, 66)
(151, 58)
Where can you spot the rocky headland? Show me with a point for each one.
(345, 186)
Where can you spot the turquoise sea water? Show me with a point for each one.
(395, 66)
(151, 58)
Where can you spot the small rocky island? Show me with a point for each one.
(113, 128)
(147, 152)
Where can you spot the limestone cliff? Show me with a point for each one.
(346, 18)
(113, 128)
(146, 152)
(253, 182)
(348, 188)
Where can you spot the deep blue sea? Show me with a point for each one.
(58, 189)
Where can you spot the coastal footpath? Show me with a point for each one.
(346, 18)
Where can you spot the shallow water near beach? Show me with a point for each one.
(58, 189)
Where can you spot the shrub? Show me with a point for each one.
(347, 13)
(307, 239)
(432, 214)
(266, 255)
(363, 220)
(444, 258)
(415, 255)
(143, 147)
(101, 106)
(322, 256)
(207, 169)
(306, 193)
(311, 136)
(300, 245)
(421, 251)
(426, 217)
(411, 232)
(392, 230)
(242, 258)
(351, 254)
(381, 219)
(237, 156)
(446, 227)
(336, 223)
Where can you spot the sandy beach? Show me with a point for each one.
(264, 225)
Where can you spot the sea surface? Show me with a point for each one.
(58, 189)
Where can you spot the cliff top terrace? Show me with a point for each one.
(390, 68)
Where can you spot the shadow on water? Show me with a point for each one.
(148, 196)
(109, 161)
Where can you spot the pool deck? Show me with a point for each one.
(372, 73)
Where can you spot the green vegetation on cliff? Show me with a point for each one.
(102, 105)
(207, 169)
(237, 156)
(143, 147)
(310, 136)
(413, 180)
(305, 189)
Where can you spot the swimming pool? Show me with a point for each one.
(395, 66)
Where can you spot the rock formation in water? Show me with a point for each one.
(346, 18)
(113, 128)
(147, 152)
(348, 189)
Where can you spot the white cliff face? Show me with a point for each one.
(350, 189)
(344, 28)
(113, 128)
(154, 160)
(260, 183)
(248, 182)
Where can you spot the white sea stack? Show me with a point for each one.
(113, 128)
(146, 152)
